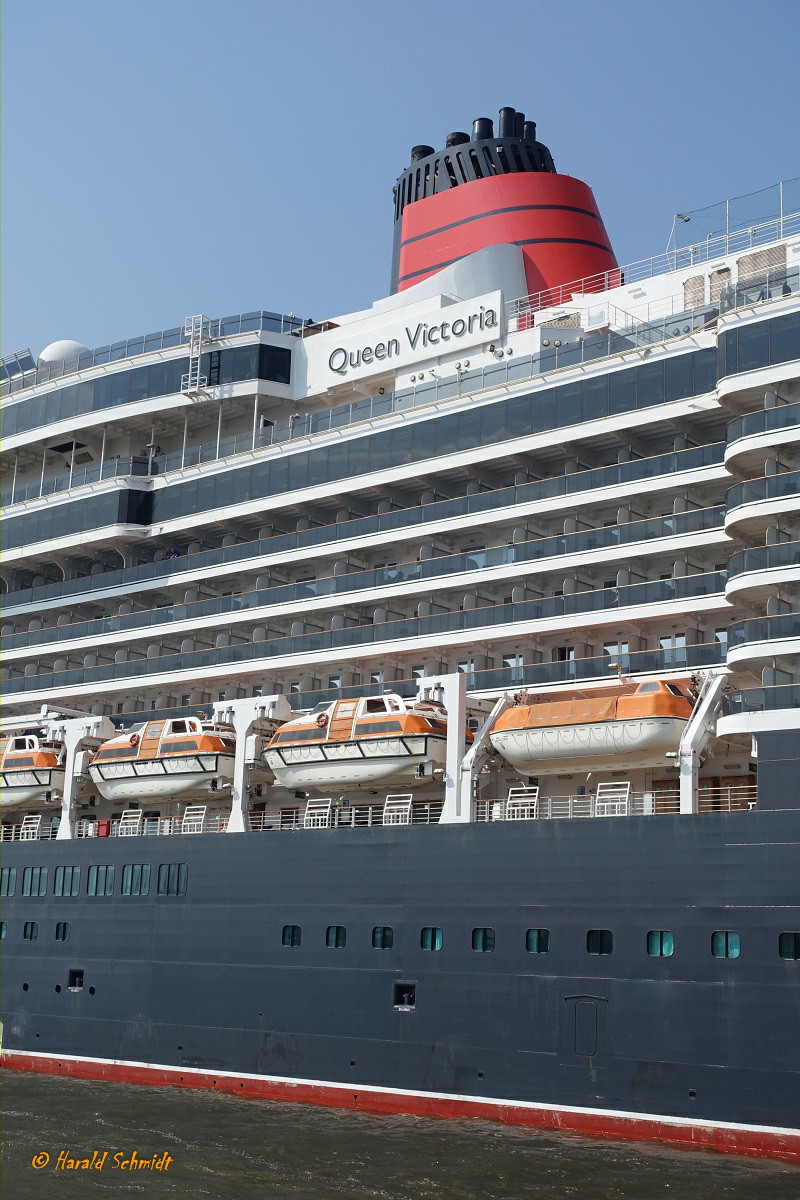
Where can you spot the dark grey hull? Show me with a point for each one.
(202, 980)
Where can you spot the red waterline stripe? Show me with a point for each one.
(755, 1142)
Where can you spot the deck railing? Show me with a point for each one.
(346, 815)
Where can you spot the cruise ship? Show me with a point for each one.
(400, 709)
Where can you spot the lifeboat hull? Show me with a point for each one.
(351, 766)
(31, 787)
(157, 779)
(595, 745)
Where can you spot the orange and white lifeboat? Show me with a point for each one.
(351, 744)
(181, 757)
(635, 726)
(31, 770)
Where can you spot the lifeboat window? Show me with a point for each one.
(67, 881)
(34, 881)
(178, 747)
(179, 727)
(63, 931)
(27, 761)
(647, 687)
(431, 938)
(100, 881)
(292, 935)
(789, 946)
(375, 706)
(24, 743)
(172, 879)
(8, 881)
(661, 943)
(318, 708)
(382, 937)
(136, 879)
(676, 691)
(30, 931)
(537, 941)
(599, 941)
(483, 940)
(726, 943)
(336, 937)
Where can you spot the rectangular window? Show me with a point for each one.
(292, 935)
(661, 943)
(383, 937)
(75, 979)
(431, 938)
(67, 881)
(788, 945)
(136, 879)
(537, 941)
(336, 936)
(2, 931)
(726, 943)
(100, 881)
(483, 940)
(30, 931)
(172, 879)
(599, 941)
(34, 881)
(404, 995)
(8, 881)
(63, 931)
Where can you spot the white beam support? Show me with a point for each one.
(451, 690)
(80, 736)
(699, 728)
(251, 718)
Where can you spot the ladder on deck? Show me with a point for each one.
(197, 330)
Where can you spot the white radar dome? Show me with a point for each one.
(62, 351)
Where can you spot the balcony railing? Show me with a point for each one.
(764, 558)
(730, 798)
(603, 600)
(562, 545)
(766, 699)
(768, 487)
(764, 629)
(766, 420)
(659, 466)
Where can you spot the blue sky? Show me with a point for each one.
(167, 157)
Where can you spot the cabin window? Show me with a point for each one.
(8, 881)
(726, 943)
(789, 946)
(292, 935)
(100, 881)
(483, 940)
(661, 943)
(431, 938)
(172, 879)
(136, 879)
(34, 881)
(30, 931)
(537, 941)
(382, 937)
(67, 881)
(336, 937)
(2, 931)
(599, 941)
(63, 931)
(75, 979)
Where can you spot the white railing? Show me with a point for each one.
(734, 798)
(711, 247)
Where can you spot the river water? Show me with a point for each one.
(221, 1148)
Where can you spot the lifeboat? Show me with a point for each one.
(188, 756)
(31, 770)
(635, 726)
(350, 744)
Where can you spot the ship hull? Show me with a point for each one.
(200, 990)
(601, 745)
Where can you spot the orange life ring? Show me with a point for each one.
(322, 720)
(134, 739)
